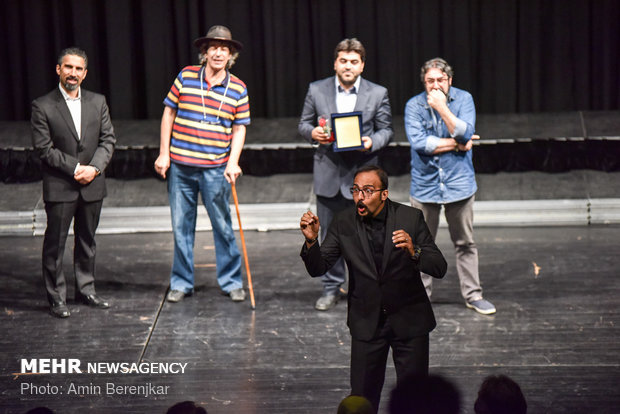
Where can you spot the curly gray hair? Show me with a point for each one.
(233, 54)
(437, 63)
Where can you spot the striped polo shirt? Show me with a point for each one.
(202, 133)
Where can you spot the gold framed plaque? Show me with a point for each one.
(347, 129)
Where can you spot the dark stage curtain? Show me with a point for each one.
(514, 56)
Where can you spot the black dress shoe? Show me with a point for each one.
(327, 301)
(94, 301)
(59, 309)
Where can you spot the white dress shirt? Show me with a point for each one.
(346, 100)
(75, 108)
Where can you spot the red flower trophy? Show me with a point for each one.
(324, 123)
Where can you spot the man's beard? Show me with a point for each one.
(71, 86)
(368, 215)
(446, 92)
(345, 83)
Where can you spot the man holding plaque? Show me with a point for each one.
(439, 124)
(334, 169)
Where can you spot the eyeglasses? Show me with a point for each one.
(431, 81)
(364, 192)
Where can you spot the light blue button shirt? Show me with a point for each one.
(447, 177)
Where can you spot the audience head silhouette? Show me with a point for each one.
(499, 394)
(355, 404)
(40, 410)
(186, 407)
(421, 394)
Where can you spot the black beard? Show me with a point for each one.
(367, 216)
(371, 213)
(346, 84)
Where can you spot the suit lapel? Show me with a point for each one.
(363, 240)
(329, 92)
(63, 109)
(390, 226)
(86, 113)
(362, 97)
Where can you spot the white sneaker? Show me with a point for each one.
(482, 306)
(237, 295)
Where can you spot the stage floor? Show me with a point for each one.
(555, 333)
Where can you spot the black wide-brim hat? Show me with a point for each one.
(219, 33)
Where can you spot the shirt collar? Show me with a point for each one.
(67, 97)
(224, 81)
(382, 214)
(355, 89)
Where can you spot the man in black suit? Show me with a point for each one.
(385, 246)
(74, 137)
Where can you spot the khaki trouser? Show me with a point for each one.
(460, 218)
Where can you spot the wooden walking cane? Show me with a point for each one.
(245, 253)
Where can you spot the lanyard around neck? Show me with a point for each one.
(202, 96)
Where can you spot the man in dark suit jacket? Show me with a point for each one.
(385, 245)
(333, 171)
(74, 137)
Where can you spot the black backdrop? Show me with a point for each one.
(514, 56)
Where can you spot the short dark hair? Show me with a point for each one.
(75, 51)
(500, 394)
(40, 410)
(437, 63)
(350, 45)
(383, 177)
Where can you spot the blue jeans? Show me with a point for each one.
(184, 184)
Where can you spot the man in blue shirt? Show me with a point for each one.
(439, 124)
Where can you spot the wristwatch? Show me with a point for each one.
(417, 250)
(97, 170)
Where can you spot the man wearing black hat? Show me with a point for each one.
(202, 135)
